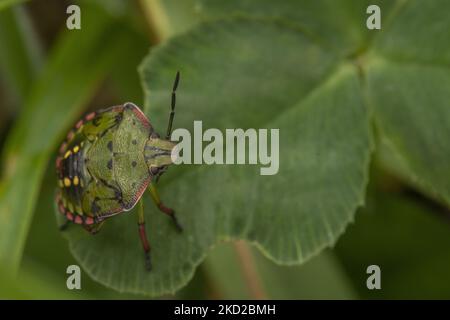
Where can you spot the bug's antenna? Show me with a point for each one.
(172, 105)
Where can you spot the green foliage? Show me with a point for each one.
(320, 278)
(4, 4)
(311, 92)
(339, 26)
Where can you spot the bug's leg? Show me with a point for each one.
(64, 226)
(172, 105)
(143, 235)
(93, 228)
(170, 212)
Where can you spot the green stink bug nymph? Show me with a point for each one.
(107, 162)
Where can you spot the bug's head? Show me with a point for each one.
(158, 154)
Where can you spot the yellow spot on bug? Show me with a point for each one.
(68, 153)
(76, 180)
(67, 182)
(76, 149)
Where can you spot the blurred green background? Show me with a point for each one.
(405, 233)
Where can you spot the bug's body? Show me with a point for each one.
(107, 162)
(106, 165)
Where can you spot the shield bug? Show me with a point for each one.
(107, 162)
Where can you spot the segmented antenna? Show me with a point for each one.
(172, 105)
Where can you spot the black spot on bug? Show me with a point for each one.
(134, 141)
(134, 163)
(134, 122)
(109, 165)
(154, 170)
(110, 146)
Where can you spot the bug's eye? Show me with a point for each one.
(154, 170)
